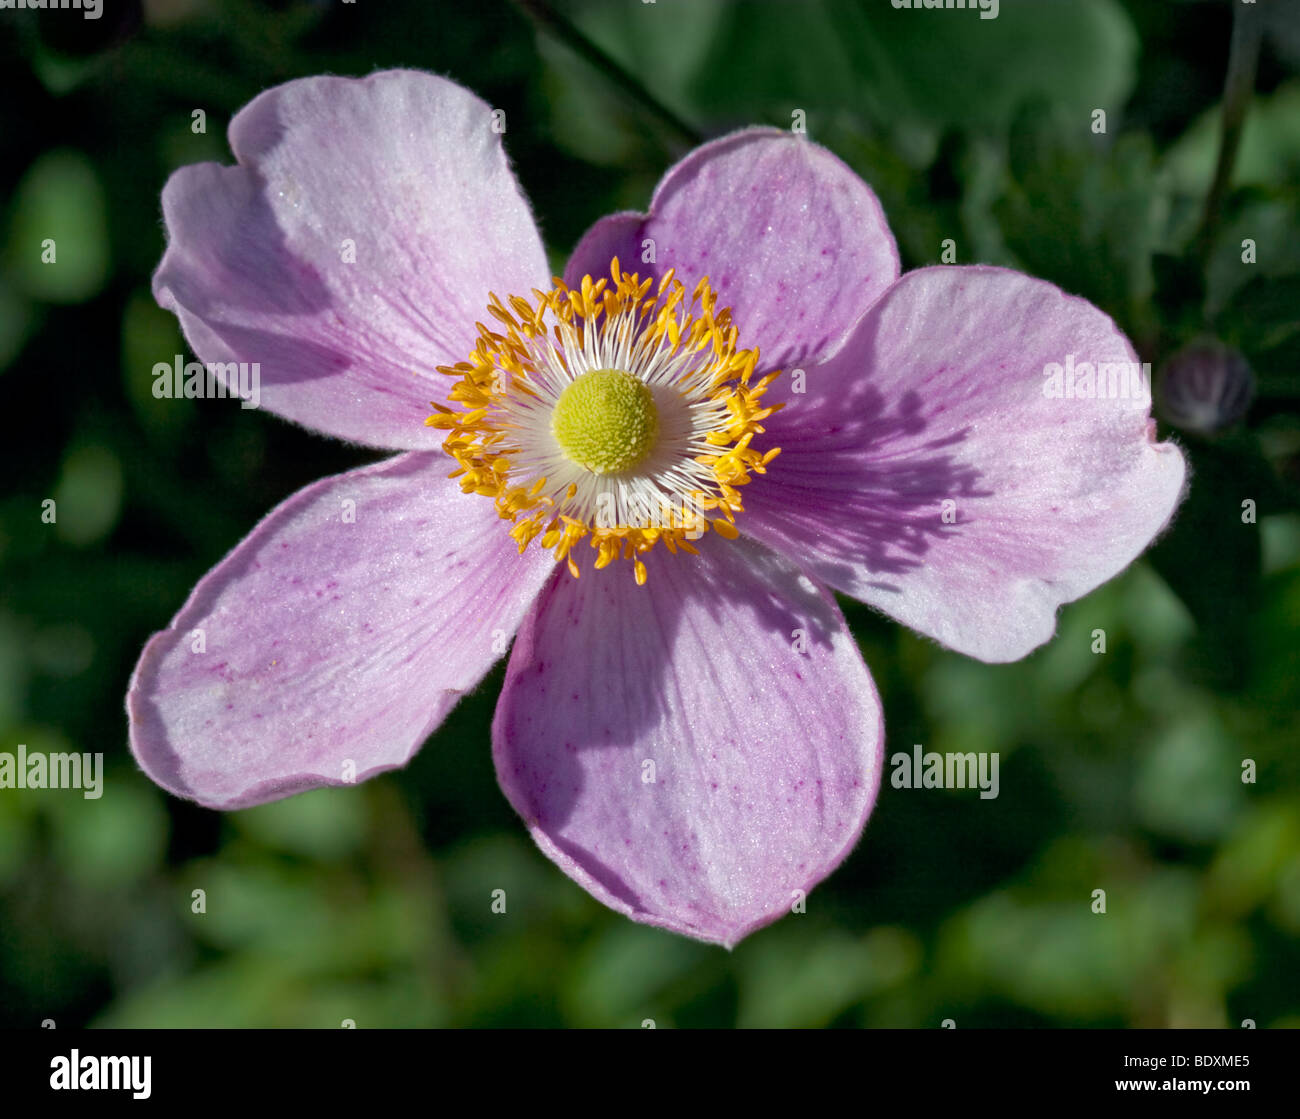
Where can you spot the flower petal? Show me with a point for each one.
(402, 171)
(939, 396)
(791, 239)
(673, 749)
(341, 630)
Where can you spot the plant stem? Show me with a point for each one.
(544, 15)
(1243, 54)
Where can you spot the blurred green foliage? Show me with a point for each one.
(1120, 771)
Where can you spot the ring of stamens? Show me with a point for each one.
(609, 413)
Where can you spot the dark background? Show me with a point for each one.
(1120, 771)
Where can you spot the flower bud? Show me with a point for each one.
(1205, 387)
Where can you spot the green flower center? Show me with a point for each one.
(606, 421)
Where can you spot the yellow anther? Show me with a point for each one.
(520, 423)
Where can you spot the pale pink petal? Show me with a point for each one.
(401, 172)
(792, 240)
(698, 753)
(333, 640)
(939, 397)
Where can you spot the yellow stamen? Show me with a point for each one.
(558, 407)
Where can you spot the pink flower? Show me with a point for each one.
(691, 733)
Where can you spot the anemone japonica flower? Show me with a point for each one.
(686, 725)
